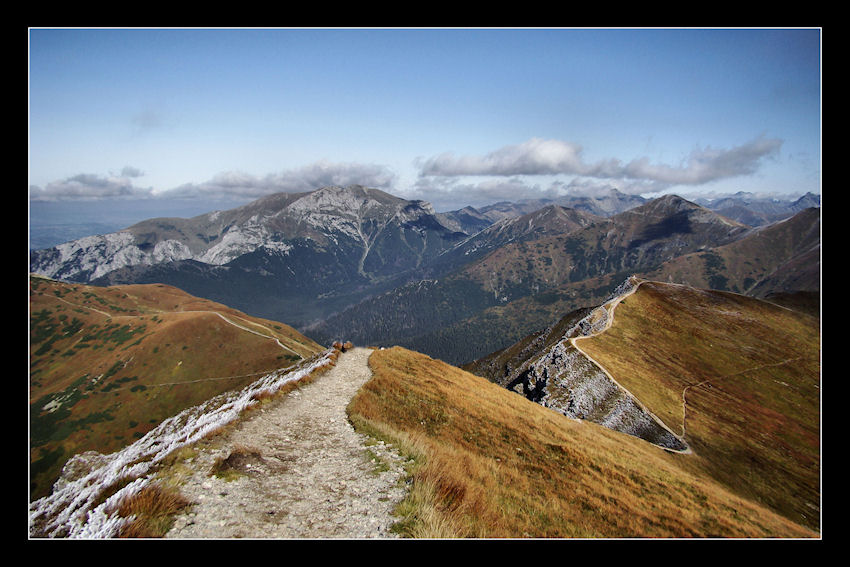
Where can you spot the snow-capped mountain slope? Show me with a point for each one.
(290, 256)
(355, 216)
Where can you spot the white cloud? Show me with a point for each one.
(534, 157)
(706, 165)
(237, 185)
(90, 186)
(451, 193)
(556, 157)
(535, 169)
(229, 185)
(130, 171)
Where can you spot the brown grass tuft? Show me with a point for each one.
(154, 508)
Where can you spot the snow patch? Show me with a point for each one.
(69, 511)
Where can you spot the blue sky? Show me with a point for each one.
(206, 118)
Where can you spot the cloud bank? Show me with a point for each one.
(237, 185)
(556, 157)
(223, 186)
(537, 168)
(87, 186)
(540, 168)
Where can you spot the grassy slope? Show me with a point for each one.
(750, 373)
(783, 256)
(548, 277)
(493, 464)
(113, 362)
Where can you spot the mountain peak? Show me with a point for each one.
(664, 206)
(674, 205)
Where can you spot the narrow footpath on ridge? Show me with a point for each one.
(609, 321)
(297, 469)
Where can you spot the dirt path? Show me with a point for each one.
(226, 320)
(297, 469)
(609, 320)
(714, 381)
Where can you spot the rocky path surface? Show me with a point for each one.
(296, 469)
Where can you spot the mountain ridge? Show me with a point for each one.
(217, 238)
(606, 472)
(690, 356)
(322, 260)
(581, 265)
(104, 362)
(294, 257)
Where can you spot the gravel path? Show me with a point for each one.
(297, 469)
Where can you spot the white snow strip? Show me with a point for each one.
(69, 510)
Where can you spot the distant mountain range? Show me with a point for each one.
(358, 263)
(297, 257)
(757, 211)
(520, 285)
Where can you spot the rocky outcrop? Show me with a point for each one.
(371, 226)
(562, 378)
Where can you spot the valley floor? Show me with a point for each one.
(295, 468)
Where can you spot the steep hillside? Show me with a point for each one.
(547, 221)
(289, 256)
(108, 364)
(779, 262)
(355, 218)
(578, 266)
(780, 257)
(135, 488)
(357, 263)
(493, 464)
(736, 377)
(548, 368)
(649, 235)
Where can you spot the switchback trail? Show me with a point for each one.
(295, 468)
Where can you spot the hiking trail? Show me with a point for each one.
(295, 468)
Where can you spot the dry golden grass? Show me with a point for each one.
(113, 362)
(749, 374)
(491, 464)
(153, 508)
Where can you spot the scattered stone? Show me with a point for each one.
(328, 487)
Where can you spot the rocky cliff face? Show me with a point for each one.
(561, 377)
(375, 227)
